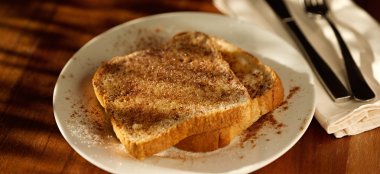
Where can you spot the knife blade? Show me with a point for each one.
(327, 77)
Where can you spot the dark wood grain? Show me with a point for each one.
(37, 38)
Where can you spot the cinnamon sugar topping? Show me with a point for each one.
(253, 132)
(186, 76)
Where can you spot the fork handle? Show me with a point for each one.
(359, 87)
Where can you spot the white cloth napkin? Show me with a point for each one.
(362, 35)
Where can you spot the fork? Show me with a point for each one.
(359, 87)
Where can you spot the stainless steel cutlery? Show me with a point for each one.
(360, 90)
(333, 86)
(359, 87)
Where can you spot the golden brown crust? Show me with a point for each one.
(98, 88)
(278, 92)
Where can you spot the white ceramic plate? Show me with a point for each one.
(82, 123)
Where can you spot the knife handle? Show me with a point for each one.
(359, 87)
(327, 77)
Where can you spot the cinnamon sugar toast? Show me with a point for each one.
(158, 97)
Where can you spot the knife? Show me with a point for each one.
(327, 77)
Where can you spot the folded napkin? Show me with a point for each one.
(362, 35)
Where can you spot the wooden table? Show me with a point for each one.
(37, 38)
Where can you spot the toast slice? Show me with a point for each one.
(157, 97)
(265, 90)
